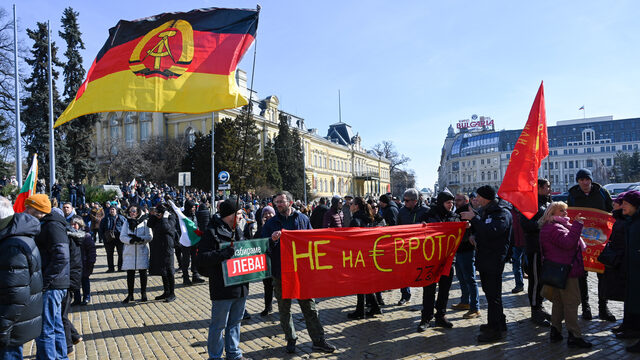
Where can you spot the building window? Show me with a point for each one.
(129, 134)
(145, 130)
(482, 176)
(115, 128)
(589, 163)
(608, 161)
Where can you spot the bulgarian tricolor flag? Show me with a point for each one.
(29, 186)
(189, 233)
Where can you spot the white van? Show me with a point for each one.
(616, 188)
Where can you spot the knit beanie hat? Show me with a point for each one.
(620, 198)
(229, 207)
(268, 210)
(443, 197)
(39, 202)
(584, 174)
(486, 192)
(632, 197)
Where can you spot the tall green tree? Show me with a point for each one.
(273, 178)
(35, 112)
(288, 150)
(627, 167)
(78, 131)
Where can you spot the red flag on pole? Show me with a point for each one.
(520, 183)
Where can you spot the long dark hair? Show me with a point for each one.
(364, 207)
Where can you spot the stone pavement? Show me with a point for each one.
(178, 330)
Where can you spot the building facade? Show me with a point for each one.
(334, 164)
(474, 157)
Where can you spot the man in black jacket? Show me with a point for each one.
(53, 244)
(591, 195)
(318, 213)
(110, 227)
(227, 302)
(389, 210)
(493, 236)
(532, 241)
(442, 212)
(21, 275)
(414, 211)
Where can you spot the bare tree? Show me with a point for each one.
(387, 150)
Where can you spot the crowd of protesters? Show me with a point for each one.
(53, 250)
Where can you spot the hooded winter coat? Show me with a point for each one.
(53, 244)
(390, 213)
(135, 256)
(597, 198)
(20, 281)
(493, 236)
(616, 276)
(76, 238)
(561, 243)
(632, 301)
(162, 250)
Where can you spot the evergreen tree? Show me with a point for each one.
(35, 114)
(272, 174)
(290, 162)
(78, 131)
(198, 161)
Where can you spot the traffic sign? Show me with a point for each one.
(223, 176)
(224, 187)
(184, 179)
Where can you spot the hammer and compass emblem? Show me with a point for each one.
(165, 59)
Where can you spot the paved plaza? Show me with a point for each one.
(178, 330)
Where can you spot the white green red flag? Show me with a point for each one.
(189, 233)
(29, 186)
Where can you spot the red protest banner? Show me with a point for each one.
(346, 261)
(595, 233)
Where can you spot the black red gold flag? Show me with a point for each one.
(172, 62)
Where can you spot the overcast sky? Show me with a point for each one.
(407, 72)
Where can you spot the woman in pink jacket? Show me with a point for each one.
(560, 242)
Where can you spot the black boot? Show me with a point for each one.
(577, 342)
(586, 312)
(196, 279)
(130, 282)
(171, 285)
(143, 285)
(186, 281)
(359, 313)
(555, 335)
(605, 314)
(165, 285)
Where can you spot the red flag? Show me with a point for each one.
(520, 183)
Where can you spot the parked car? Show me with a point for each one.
(560, 197)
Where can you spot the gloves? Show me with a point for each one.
(228, 252)
(135, 240)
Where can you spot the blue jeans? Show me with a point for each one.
(11, 353)
(517, 258)
(225, 316)
(466, 273)
(72, 199)
(52, 344)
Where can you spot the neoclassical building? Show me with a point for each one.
(480, 156)
(334, 164)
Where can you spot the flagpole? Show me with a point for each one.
(52, 150)
(213, 165)
(17, 85)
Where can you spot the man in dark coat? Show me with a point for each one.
(318, 214)
(442, 212)
(466, 267)
(163, 224)
(591, 195)
(21, 281)
(493, 237)
(414, 211)
(389, 210)
(189, 253)
(110, 227)
(290, 219)
(227, 302)
(76, 238)
(203, 215)
(53, 244)
(531, 231)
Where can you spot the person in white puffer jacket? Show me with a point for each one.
(135, 255)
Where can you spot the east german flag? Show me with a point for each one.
(172, 62)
